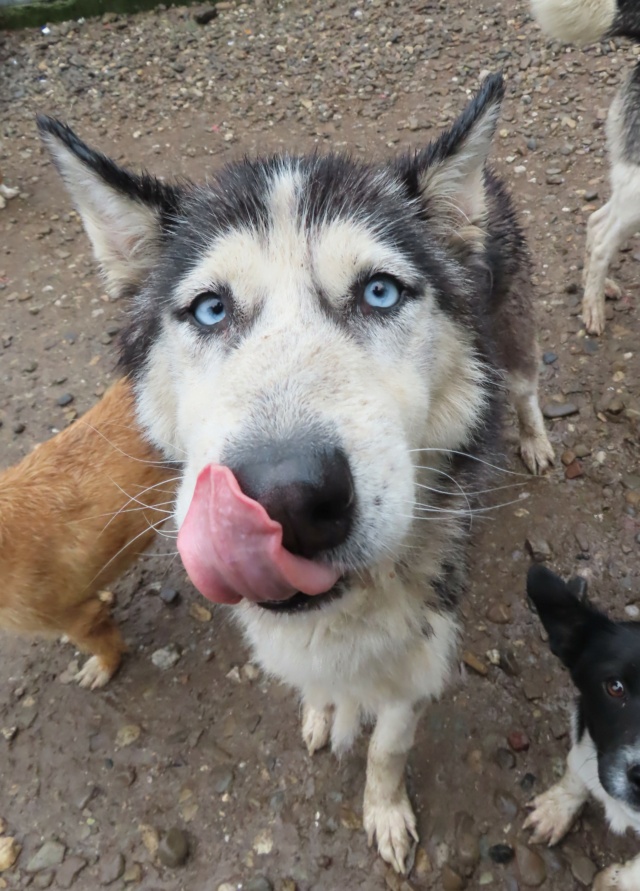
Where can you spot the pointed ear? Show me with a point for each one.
(449, 175)
(563, 611)
(124, 214)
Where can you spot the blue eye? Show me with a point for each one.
(208, 309)
(382, 292)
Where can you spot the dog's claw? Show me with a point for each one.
(551, 816)
(93, 675)
(392, 825)
(537, 452)
(316, 727)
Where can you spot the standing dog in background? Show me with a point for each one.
(74, 514)
(582, 22)
(324, 345)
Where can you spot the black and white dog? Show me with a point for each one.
(581, 22)
(603, 658)
(323, 345)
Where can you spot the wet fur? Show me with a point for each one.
(605, 732)
(583, 22)
(69, 526)
(288, 242)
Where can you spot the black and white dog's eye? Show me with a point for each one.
(382, 292)
(208, 309)
(615, 688)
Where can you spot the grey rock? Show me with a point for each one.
(539, 548)
(166, 657)
(69, 871)
(559, 410)
(467, 843)
(505, 803)
(111, 868)
(583, 870)
(65, 399)
(259, 883)
(49, 855)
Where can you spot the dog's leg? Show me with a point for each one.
(517, 345)
(91, 628)
(554, 811)
(619, 877)
(387, 812)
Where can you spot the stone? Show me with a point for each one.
(553, 410)
(574, 470)
(539, 549)
(474, 663)
(499, 613)
(531, 867)
(549, 358)
(501, 853)
(132, 874)
(9, 852)
(127, 735)
(170, 596)
(451, 881)
(49, 855)
(567, 457)
(506, 804)
(518, 741)
(505, 759)
(111, 868)
(583, 870)
(166, 657)
(65, 399)
(69, 871)
(259, 883)
(467, 843)
(173, 849)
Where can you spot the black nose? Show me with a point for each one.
(633, 775)
(306, 488)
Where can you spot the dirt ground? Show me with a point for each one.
(208, 746)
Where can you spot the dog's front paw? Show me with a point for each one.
(316, 727)
(551, 816)
(391, 824)
(536, 451)
(93, 674)
(593, 316)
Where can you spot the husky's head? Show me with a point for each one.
(309, 324)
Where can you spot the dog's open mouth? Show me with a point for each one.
(301, 603)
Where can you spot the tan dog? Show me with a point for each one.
(74, 514)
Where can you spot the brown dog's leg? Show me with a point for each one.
(91, 628)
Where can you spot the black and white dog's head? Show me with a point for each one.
(308, 322)
(603, 658)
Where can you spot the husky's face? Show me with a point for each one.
(305, 322)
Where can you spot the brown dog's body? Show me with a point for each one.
(74, 514)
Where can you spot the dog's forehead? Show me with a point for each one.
(327, 218)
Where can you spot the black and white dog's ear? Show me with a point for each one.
(123, 213)
(449, 175)
(563, 610)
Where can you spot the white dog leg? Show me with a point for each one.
(555, 810)
(387, 813)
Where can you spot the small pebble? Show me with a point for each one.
(259, 883)
(451, 881)
(170, 596)
(559, 410)
(518, 741)
(9, 852)
(111, 868)
(531, 866)
(173, 848)
(49, 855)
(549, 358)
(505, 759)
(166, 657)
(65, 399)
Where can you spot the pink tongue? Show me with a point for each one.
(232, 549)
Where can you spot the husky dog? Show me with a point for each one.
(323, 345)
(602, 657)
(585, 21)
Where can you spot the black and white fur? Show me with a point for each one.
(603, 658)
(411, 396)
(582, 22)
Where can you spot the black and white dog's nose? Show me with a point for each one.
(633, 776)
(306, 488)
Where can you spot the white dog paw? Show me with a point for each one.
(391, 824)
(612, 290)
(316, 727)
(536, 451)
(593, 316)
(93, 674)
(609, 879)
(551, 816)
(8, 193)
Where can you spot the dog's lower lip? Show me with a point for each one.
(300, 602)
